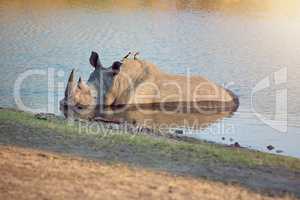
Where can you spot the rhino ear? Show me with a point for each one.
(116, 67)
(94, 60)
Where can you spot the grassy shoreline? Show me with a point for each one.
(195, 151)
(262, 173)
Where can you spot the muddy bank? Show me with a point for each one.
(258, 172)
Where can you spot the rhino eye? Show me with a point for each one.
(79, 107)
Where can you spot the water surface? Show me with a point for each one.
(234, 43)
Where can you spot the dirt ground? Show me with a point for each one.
(35, 174)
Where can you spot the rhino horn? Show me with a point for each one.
(71, 84)
(80, 83)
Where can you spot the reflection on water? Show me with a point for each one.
(155, 119)
(235, 43)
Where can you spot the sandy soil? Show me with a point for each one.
(35, 174)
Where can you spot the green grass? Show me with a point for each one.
(197, 152)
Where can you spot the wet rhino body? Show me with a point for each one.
(137, 84)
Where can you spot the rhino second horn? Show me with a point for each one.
(80, 82)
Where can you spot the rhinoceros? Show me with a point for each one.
(132, 83)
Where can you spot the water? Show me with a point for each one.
(233, 43)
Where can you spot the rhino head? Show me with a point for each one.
(83, 98)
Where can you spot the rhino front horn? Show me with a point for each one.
(71, 84)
